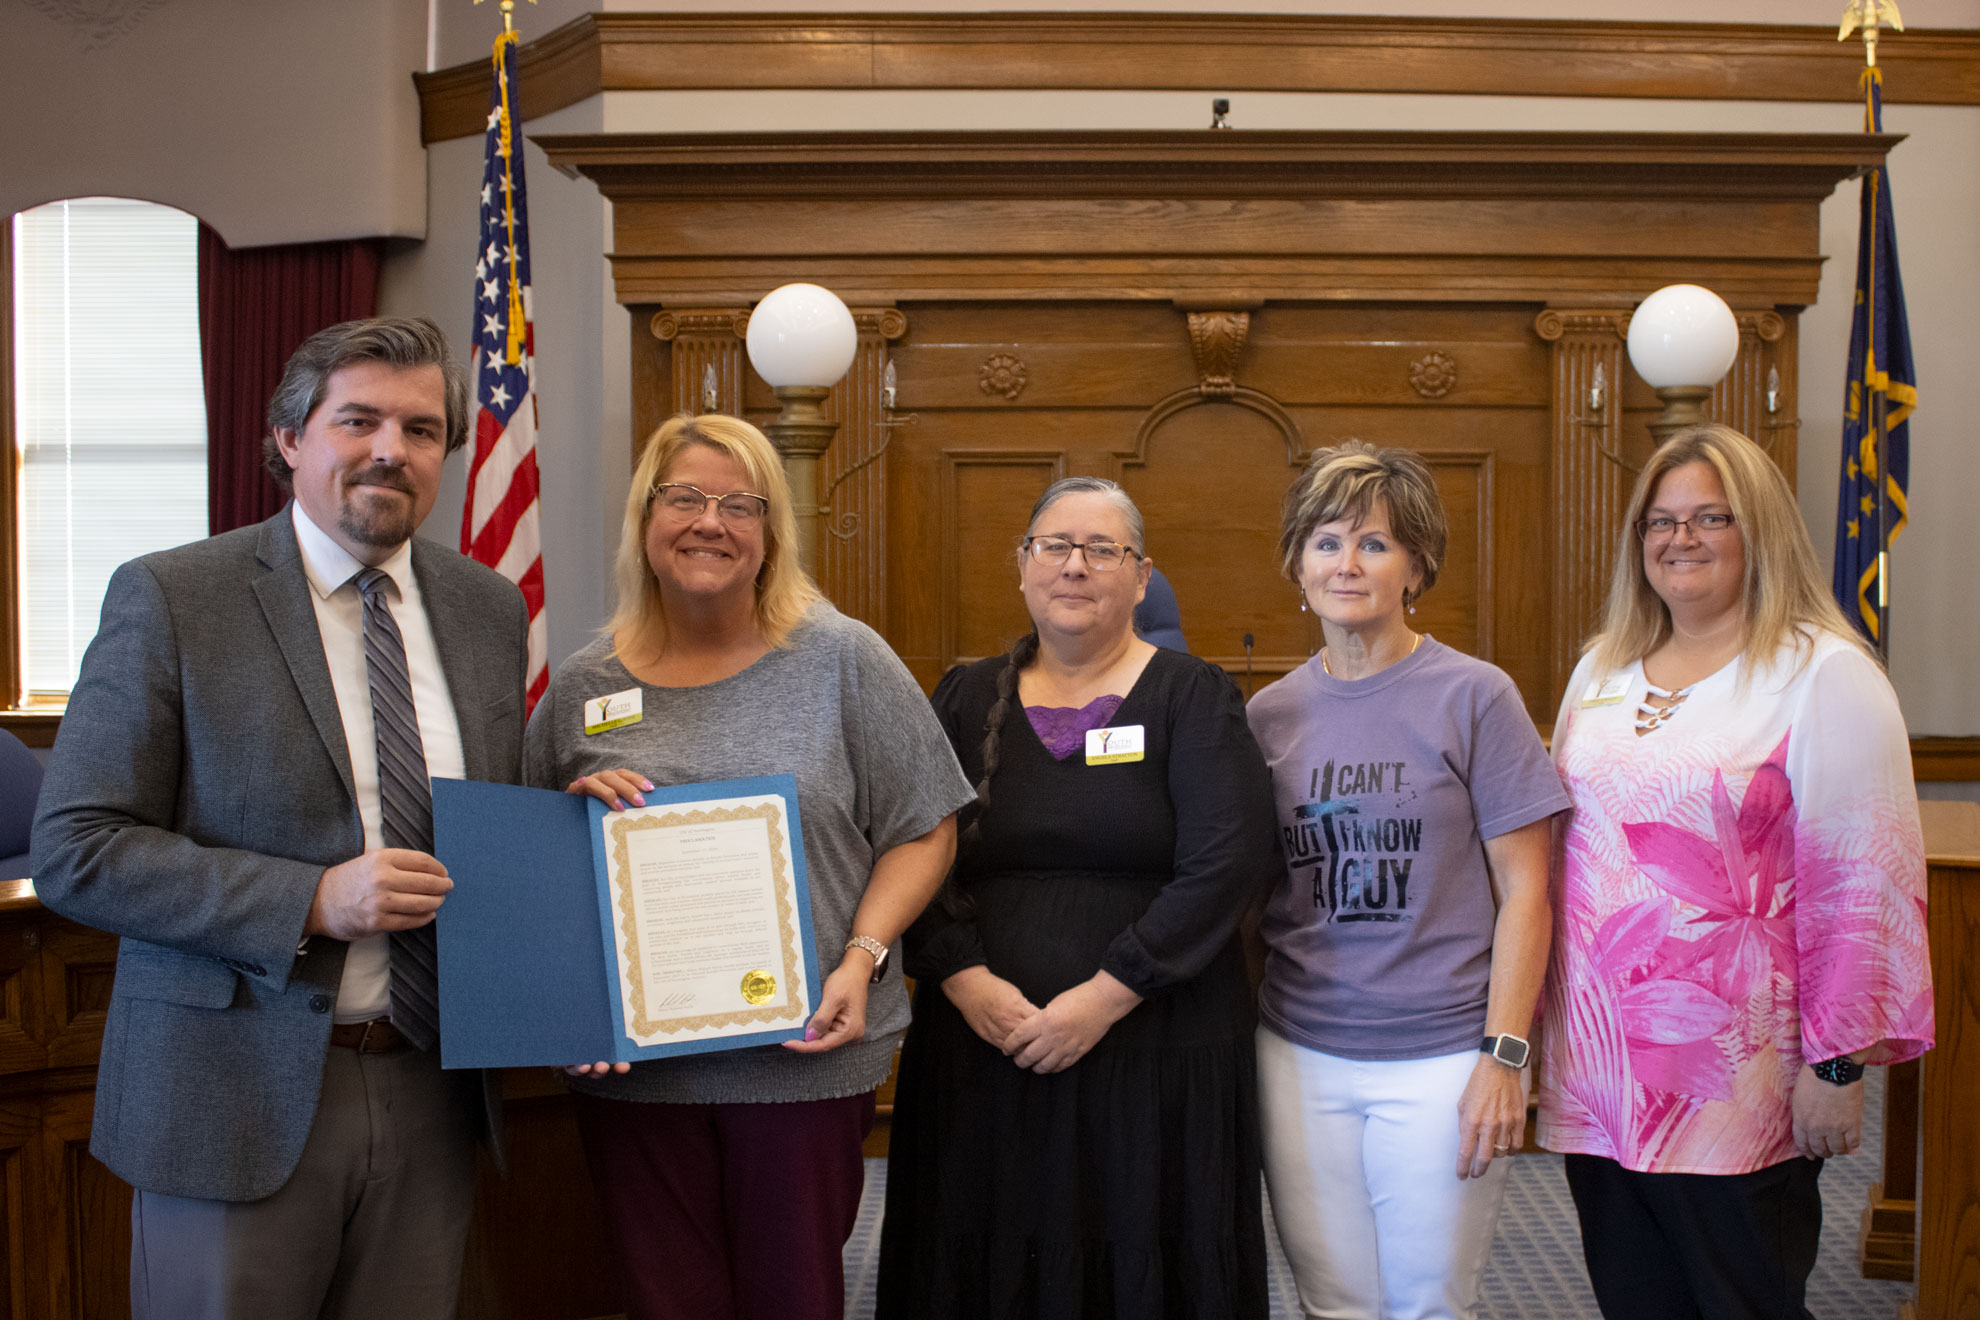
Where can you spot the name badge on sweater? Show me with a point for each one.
(1608, 692)
(1109, 746)
(613, 711)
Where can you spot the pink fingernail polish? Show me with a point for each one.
(811, 1033)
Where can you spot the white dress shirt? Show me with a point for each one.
(366, 990)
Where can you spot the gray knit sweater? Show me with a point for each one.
(837, 709)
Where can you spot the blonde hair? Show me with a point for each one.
(1344, 482)
(784, 591)
(1784, 593)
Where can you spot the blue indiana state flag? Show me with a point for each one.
(1879, 365)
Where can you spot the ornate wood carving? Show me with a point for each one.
(1590, 482)
(852, 552)
(1216, 341)
(1217, 338)
(1433, 375)
(1189, 52)
(1003, 375)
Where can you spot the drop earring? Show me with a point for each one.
(1302, 602)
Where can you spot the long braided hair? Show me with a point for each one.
(1026, 649)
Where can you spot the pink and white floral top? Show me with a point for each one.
(1741, 889)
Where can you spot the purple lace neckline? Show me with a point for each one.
(1063, 729)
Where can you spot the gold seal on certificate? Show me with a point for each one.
(758, 986)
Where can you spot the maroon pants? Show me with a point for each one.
(729, 1212)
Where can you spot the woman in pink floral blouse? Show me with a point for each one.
(1740, 905)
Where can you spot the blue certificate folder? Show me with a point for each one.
(528, 970)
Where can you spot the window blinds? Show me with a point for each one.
(110, 411)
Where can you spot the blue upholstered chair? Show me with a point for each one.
(1159, 618)
(20, 787)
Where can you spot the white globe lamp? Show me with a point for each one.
(1682, 341)
(801, 341)
(802, 335)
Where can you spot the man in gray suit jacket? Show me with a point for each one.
(238, 791)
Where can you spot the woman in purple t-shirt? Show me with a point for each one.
(1413, 798)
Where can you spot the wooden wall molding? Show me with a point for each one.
(1945, 760)
(712, 219)
(1188, 52)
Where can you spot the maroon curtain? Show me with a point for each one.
(255, 307)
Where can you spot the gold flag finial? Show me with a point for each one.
(1869, 15)
(509, 16)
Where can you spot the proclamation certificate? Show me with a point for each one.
(705, 899)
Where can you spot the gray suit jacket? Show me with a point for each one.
(198, 789)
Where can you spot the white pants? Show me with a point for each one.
(1361, 1162)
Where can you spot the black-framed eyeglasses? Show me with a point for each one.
(1703, 525)
(681, 500)
(1100, 556)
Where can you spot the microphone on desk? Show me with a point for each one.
(1247, 666)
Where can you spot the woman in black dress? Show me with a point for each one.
(1075, 1128)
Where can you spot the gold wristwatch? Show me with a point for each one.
(874, 947)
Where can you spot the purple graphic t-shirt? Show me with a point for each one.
(1385, 788)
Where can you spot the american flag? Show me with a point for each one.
(500, 525)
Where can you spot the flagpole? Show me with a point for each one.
(1866, 17)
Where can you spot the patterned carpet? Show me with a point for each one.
(1536, 1271)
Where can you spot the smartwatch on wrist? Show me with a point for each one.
(1839, 1071)
(874, 947)
(1507, 1049)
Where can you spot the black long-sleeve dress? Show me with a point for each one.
(1128, 1184)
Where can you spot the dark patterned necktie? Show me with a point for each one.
(405, 804)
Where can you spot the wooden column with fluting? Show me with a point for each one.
(1590, 482)
(852, 542)
(705, 337)
(1766, 343)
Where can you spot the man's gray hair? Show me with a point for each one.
(397, 341)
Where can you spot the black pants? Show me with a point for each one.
(1698, 1246)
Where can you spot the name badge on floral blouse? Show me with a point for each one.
(1608, 692)
(1110, 746)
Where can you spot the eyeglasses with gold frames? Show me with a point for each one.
(680, 500)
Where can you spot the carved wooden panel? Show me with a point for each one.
(77, 968)
(974, 540)
(1207, 440)
(88, 1256)
(20, 1129)
(20, 993)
